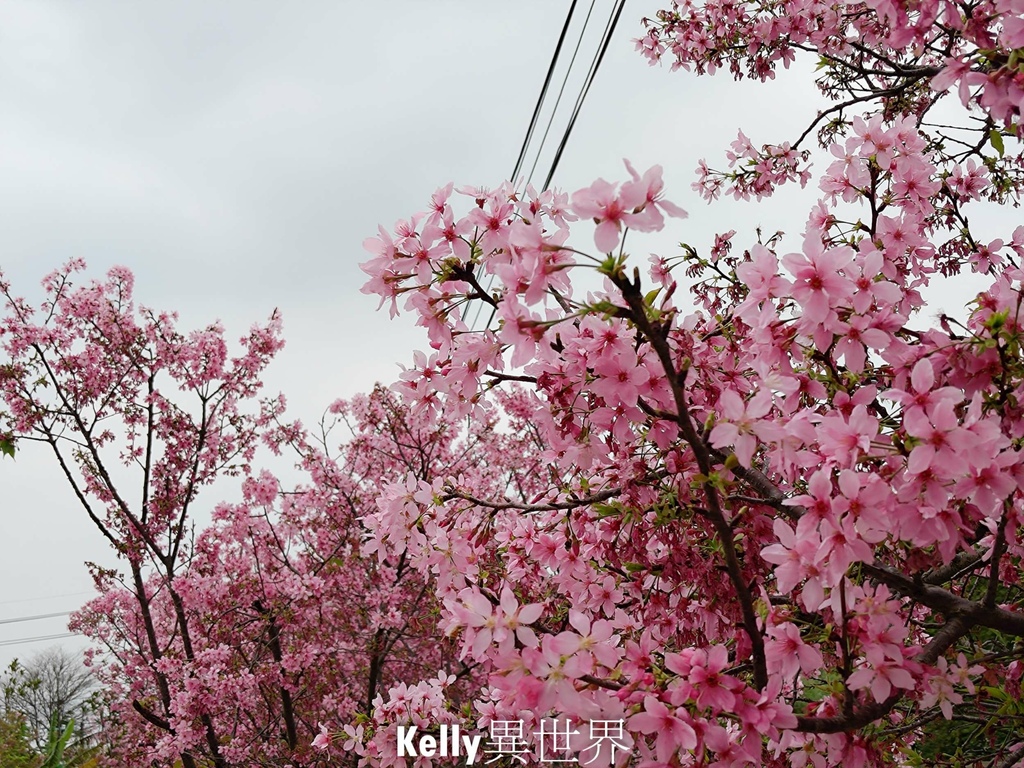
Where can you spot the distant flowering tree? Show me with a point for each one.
(140, 417)
(782, 517)
(293, 625)
(230, 647)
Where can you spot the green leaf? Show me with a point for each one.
(996, 693)
(7, 446)
(603, 307)
(56, 744)
(995, 138)
(608, 510)
(610, 265)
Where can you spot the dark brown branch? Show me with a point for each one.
(51, 439)
(287, 708)
(1009, 760)
(97, 461)
(611, 685)
(510, 377)
(571, 504)
(963, 562)
(998, 548)
(186, 644)
(657, 336)
(869, 96)
(759, 481)
(958, 626)
(147, 469)
(947, 603)
(376, 663)
(151, 717)
(465, 274)
(206, 415)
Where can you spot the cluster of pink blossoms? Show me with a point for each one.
(901, 53)
(844, 449)
(757, 506)
(967, 45)
(770, 515)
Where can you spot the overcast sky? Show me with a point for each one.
(235, 155)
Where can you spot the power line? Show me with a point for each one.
(595, 65)
(37, 639)
(533, 121)
(561, 91)
(37, 617)
(47, 597)
(544, 90)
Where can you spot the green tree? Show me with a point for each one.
(55, 698)
(15, 742)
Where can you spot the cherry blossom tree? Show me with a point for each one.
(781, 520)
(233, 646)
(295, 619)
(128, 404)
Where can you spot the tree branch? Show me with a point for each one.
(151, 717)
(947, 603)
(657, 337)
(571, 504)
(958, 626)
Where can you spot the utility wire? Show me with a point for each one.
(38, 639)
(37, 617)
(533, 125)
(47, 597)
(561, 91)
(544, 90)
(595, 65)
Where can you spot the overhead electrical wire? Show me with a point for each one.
(47, 597)
(538, 107)
(561, 91)
(37, 617)
(595, 65)
(38, 639)
(544, 89)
